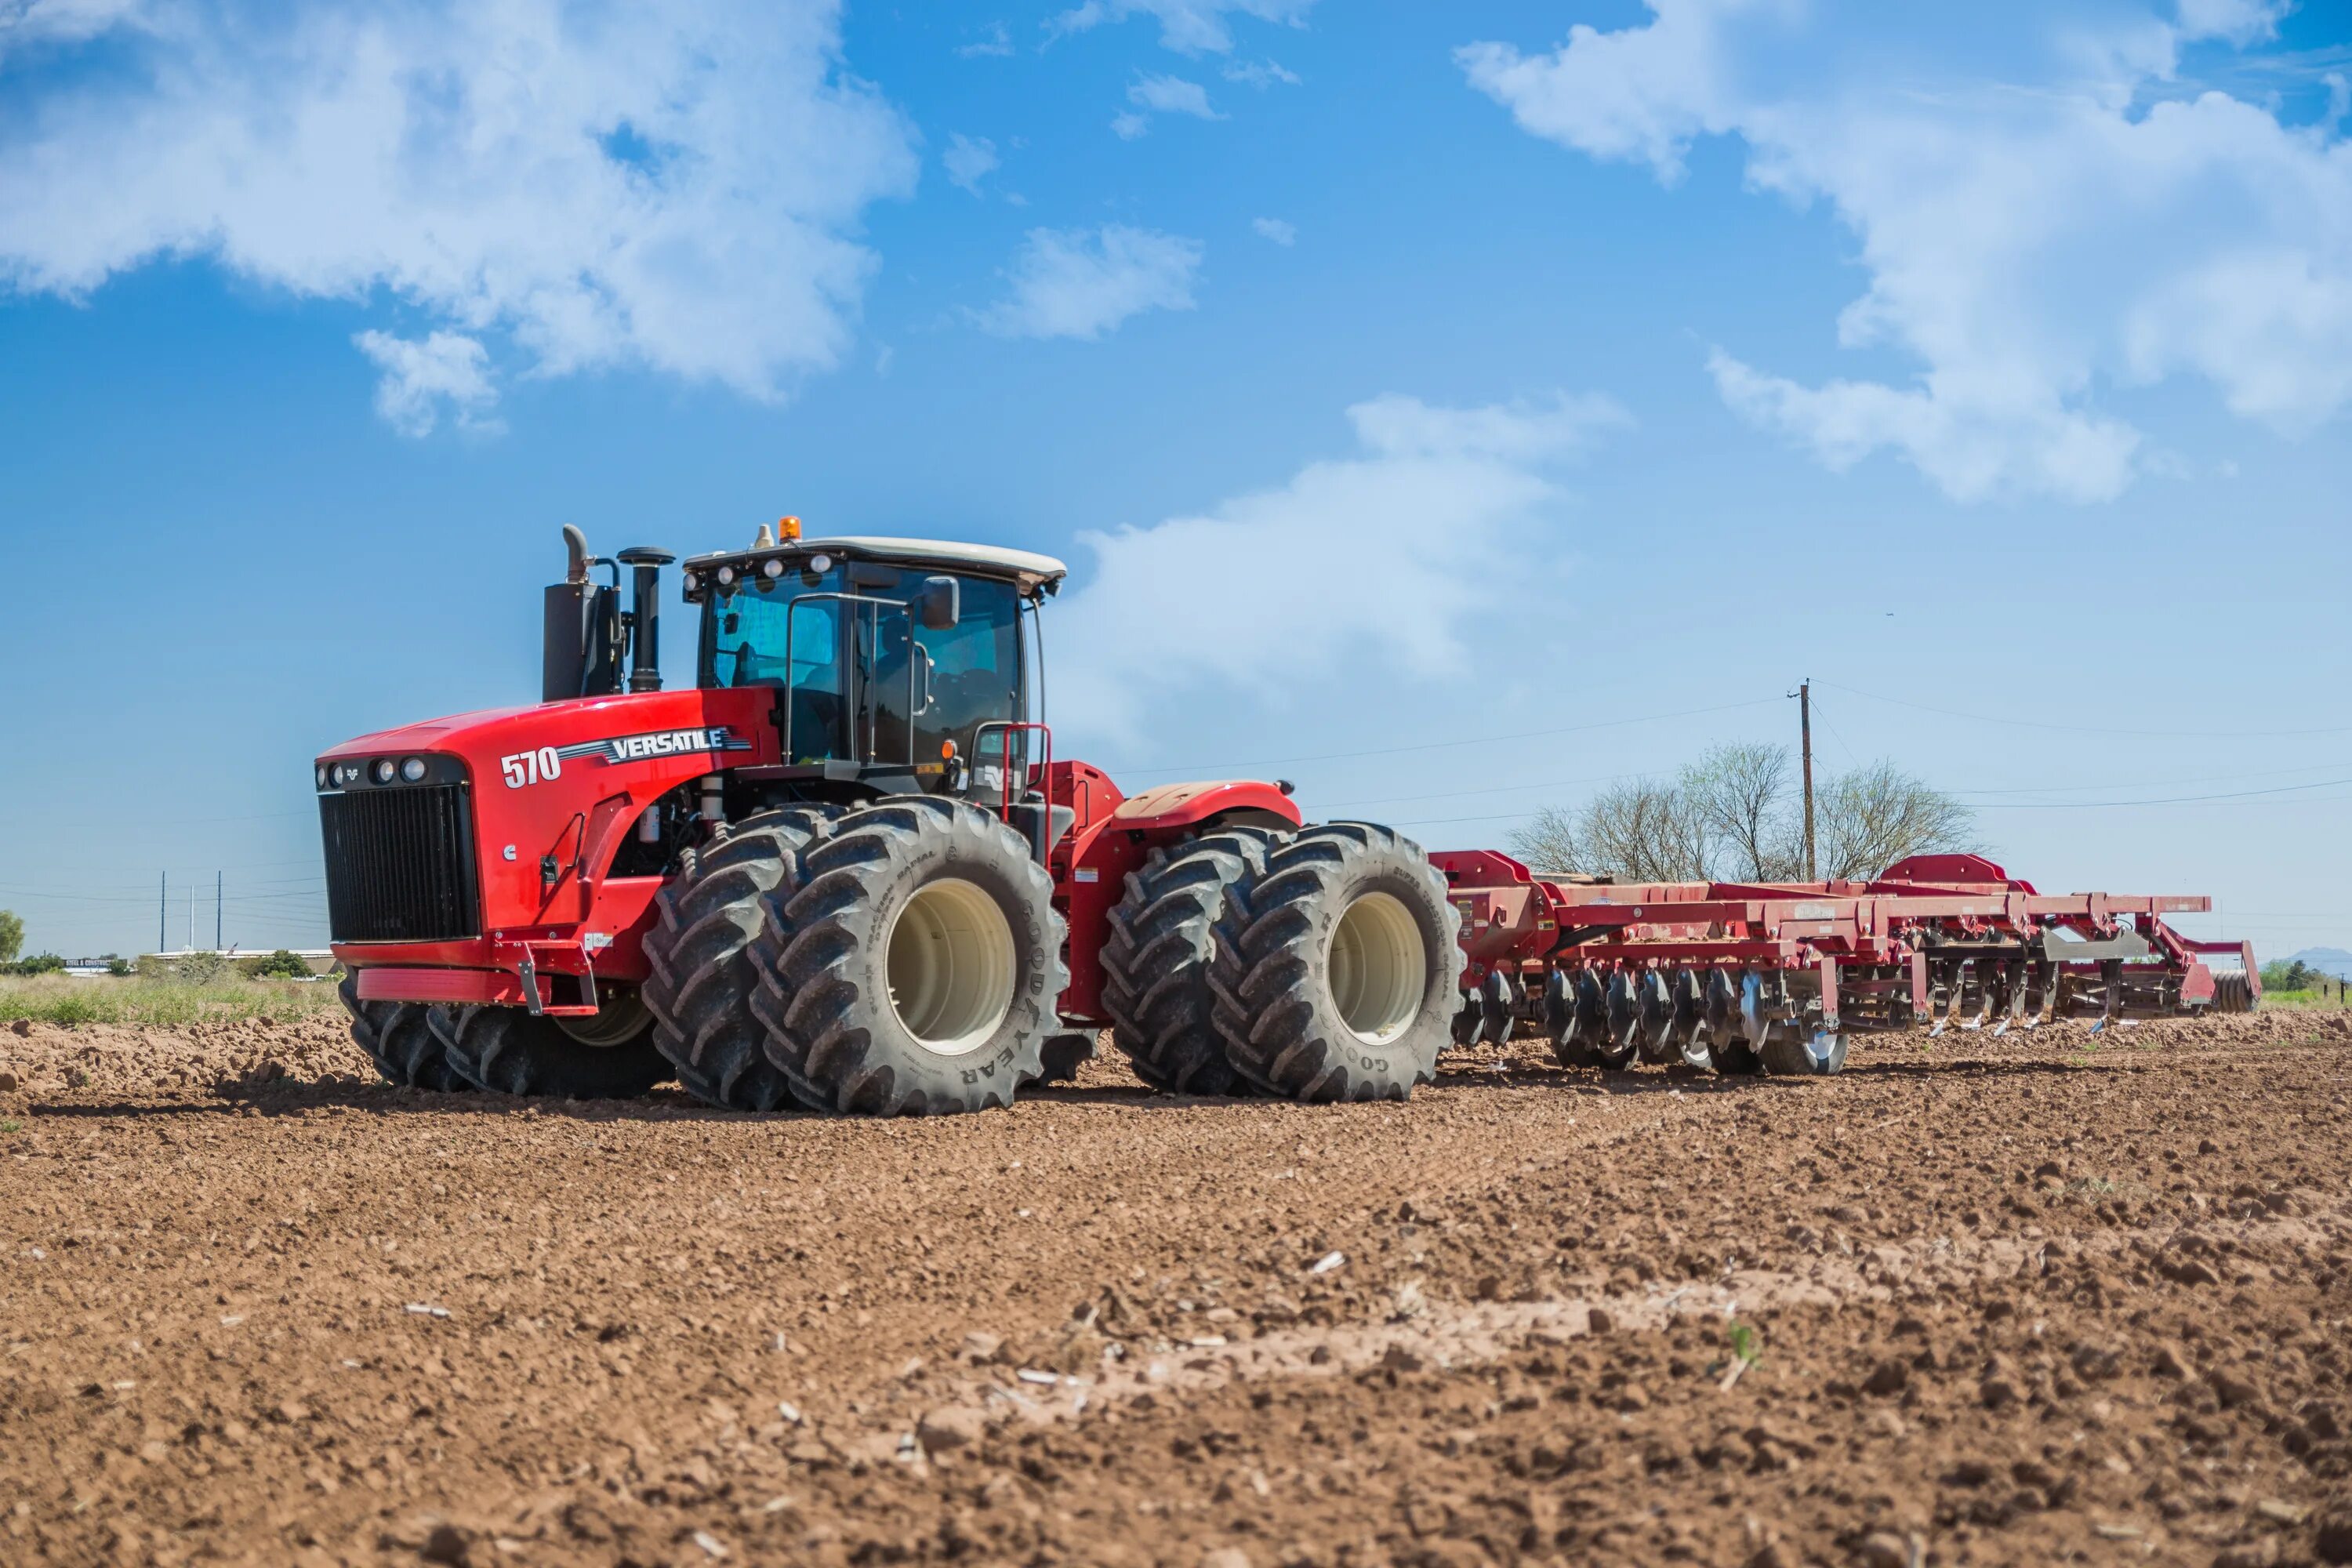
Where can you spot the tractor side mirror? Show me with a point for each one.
(940, 605)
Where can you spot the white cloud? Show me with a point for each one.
(2239, 21)
(1274, 229)
(1259, 74)
(1171, 95)
(677, 189)
(994, 40)
(2038, 229)
(1972, 451)
(1126, 125)
(1073, 283)
(420, 376)
(968, 160)
(1376, 563)
(1188, 27)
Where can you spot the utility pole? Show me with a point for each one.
(192, 920)
(218, 877)
(162, 912)
(1804, 696)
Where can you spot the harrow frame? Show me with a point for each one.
(1945, 939)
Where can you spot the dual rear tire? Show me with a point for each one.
(1315, 966)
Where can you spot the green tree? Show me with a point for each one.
(12, 935)
(278, 965)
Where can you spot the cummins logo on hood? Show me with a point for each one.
(658, 743)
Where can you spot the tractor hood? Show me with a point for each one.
(606, 736)
(510, 818)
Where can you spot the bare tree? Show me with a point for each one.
(1733, 815)
(1866, 820)
(1740, 793)
(1547, 842)
(1645, 831)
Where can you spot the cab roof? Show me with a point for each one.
(1028, 569)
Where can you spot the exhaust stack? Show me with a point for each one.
(580, 631)
(644, 614)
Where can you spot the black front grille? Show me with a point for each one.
(400, 864)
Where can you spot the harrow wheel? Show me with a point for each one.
(1335, 967)
(2231, 994)
(1572, 1043)
(1157, 955)
(1728, 1049)
(1654, 1007)
(1464, 1027)
(1688, 990)
(1623, 1004)
(1799, 1051)
(914, 967)
(398, 1038)
(708, 918)
(608, 1056)
(1498, 1002)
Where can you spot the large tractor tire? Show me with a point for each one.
(1337, 967)
(610, 1054)
(1157, 954)
(703, 970)
(916, 967)
(398, 1038)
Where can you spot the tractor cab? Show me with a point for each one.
(899, 665)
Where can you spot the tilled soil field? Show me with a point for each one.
(2053, 1297)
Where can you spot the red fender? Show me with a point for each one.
(1165, 807)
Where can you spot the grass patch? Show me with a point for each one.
(72, 1003)
(2299, 1001)
(10, 1124)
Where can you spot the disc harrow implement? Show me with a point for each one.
(1775, 976)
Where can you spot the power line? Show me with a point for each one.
(1440, 745)
(2167, 799)
(2090, 728)
(1460, 794)
(2194, 778)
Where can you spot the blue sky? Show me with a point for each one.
(1451, 408)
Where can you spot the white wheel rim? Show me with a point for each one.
(615, 1022)
(948, 960)
(1377, 968)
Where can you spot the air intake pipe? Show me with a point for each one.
(644, 614)
(580, 631)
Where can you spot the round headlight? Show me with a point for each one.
(383, 770)
(413, 769)
(692, 582)
(321, 771)
(772, 569)
(726, 575)
(347, 773)
(820, 563)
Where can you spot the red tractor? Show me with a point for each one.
(844, 869)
